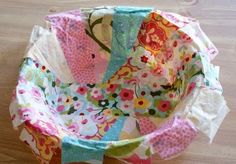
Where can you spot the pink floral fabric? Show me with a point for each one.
(82, 54)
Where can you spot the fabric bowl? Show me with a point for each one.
(124, 82)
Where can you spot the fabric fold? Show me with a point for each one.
(45, 48)
(126, 23)
(114, 132)
(74, 150)
(206, 108)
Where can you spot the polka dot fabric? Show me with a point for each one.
(146, 126)
(81, 52)
(173, 137)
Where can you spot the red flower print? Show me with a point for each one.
(82, 90)
(168, 54)
(151, 36)
(164, 105)
(26, 114)
(191, 87)
(187, 58)
(154, 85)
(60, 108)
(171, 95)
(157, 71)
(126, 94)
(43, 67)
(175, 44)
(186, 38)
(143, 76)
(144, 59)
(112, 88)
(96, 94)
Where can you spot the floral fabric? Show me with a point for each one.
(132, 110)
(86, 61)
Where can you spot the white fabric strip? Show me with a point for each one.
(206, 108)
(45, 48)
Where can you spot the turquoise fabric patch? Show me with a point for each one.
(125, 28)
(114, 132)
(77, 150)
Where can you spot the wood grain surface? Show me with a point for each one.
(217, 18)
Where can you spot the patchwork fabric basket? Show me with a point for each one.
(124, 82)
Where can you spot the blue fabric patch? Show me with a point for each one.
(114, 132)
(77, 150)
(125, 28)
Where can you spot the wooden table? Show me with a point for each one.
(218, 20)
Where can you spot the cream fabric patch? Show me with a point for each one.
(45, 48)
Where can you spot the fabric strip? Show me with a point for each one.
(126, 24)
(76, 150)
(114, 132)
